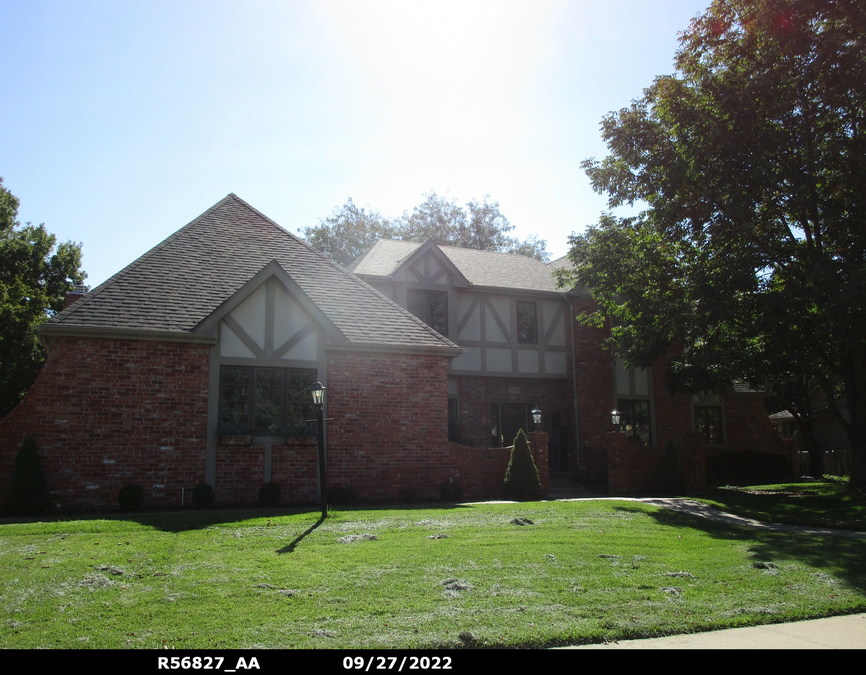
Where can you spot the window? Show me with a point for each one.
(707, 410)
(527, 333)
(431, 307)
(632, 386)
(635, 420)
(453, 420)
(265, 401)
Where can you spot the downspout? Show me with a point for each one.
(574, 383)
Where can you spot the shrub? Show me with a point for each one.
(745, 467)
(29, 494)
(269, 494)
(131, 497)
(343, 495)
(202, 496)
(521, 476)
(450, 491)
(669, 477)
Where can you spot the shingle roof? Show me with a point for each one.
(181, 281)
(481, 268)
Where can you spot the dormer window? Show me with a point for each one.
(431, 307)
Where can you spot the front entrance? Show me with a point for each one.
(507, 420)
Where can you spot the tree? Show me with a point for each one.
(521, 476)
(350, 231)
(29, 493)
(751, 161)
(35, 276)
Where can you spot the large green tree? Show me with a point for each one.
(750, 162)
(35, 275)
(349, 231)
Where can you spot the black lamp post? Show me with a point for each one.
(614, 417)
(318, 392)
(536, 418)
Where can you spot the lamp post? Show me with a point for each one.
(536, 418)
(318, 393)
(614, 418)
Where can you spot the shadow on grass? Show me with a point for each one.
(844, 558)
(187, 519)
(291, 547)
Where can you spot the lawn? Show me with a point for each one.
(507, 575)
(826, 503)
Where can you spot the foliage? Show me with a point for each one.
(35, 275)
(751, 253)
(521, 476)
(269, 494)
(669, 477)
(350, 231)
(29, 494)
(746, 466)
(203, 496)
(584, 572)
(131, 497)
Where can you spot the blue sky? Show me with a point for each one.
(122, 121)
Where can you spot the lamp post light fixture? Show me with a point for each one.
(318, 393)
(536, 418)
(615, 417)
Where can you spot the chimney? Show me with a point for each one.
(75, 295)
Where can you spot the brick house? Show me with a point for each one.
(192, 364)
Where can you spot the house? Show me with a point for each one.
(192, 365)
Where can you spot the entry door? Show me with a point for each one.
(509, 418)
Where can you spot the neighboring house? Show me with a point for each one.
(192, 364)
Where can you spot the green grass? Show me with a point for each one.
(828, 503)
(582, 572)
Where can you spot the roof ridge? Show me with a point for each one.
(114, 278)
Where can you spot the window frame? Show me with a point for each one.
(710, 401)
(289, 390)
(523, 338)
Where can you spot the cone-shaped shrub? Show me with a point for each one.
(521, 477)
(29, 494)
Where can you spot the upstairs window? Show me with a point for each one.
(527, 326)
(431, 307)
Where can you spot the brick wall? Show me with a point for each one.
(105, 413)
(634, 468)
(389, 434)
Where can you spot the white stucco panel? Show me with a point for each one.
(554, 363)
(250, 314)
(498, 360)
(472, 329)
(471, 360)
(557, 337)
(527, 360)
(231, 345)
(289, 318)
(306, 349)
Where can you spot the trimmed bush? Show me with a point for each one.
(131, 497)
(202, 496)
(747, 467)
(269, 494)
(29, 494)
(450, 491)
(669, 478)
(521, 476)
(344, 495)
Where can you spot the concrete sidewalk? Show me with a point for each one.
(838, 632)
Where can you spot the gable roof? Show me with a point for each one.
(180, 282)
(485, 269)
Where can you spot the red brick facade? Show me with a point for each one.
(105, 413)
